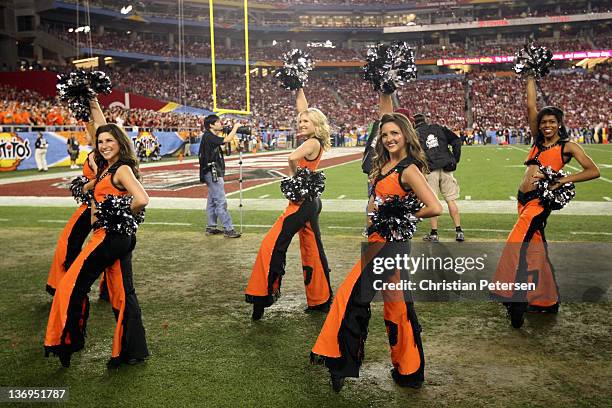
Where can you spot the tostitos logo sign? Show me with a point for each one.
(13, 150)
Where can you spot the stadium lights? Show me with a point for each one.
(326, 44)
(82, 29)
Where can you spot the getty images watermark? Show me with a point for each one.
(387, 265)
(450, 271)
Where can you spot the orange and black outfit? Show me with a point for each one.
(71, 239)
(525, 257)
(299, 218)
(342, 338)
(108, 251)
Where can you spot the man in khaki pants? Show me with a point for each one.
(40, 152)
(435, 141)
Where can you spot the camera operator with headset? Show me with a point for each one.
(212, 170)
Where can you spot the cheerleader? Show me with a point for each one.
(396, 171)
(525, 257)
(110, 245)
(300, 218)
(72, 237)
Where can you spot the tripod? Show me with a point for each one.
(240, 184)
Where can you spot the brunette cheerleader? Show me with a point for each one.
(525, 257)
(396, 171)
(110, 245)
(72, 237)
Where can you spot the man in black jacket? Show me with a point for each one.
(212, 170)
(435, 141)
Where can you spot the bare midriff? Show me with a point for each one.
(527, 182)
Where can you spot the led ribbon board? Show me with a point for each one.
(216, 109)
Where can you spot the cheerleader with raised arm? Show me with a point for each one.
(111, 244)
(300, 218)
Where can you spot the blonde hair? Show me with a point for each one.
(413, 146)
(321, 125)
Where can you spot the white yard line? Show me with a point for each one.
(168, 223)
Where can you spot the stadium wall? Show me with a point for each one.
(17, 148)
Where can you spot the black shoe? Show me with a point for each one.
(543, 309)
(403, 382)
(213, 231)
(431, 238)
(134, 361)
(232, 234)
(64, 357)
(113, 362)
(459, 236)
(516, 313)
(323, 307)
(258, 311)
(337, 382)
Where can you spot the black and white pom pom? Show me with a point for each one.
(115, 215)
(393, 219)
(294, 73)
(558, 198)
(305, 185)
(100, 83)
(389, 66)
(78, 87)
(533, 60)
(76, 188)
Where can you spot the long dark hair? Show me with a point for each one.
(558, 114)
(126, 151)
(413, 146)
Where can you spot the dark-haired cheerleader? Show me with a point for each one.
(299, 218)
(72, 237)
(111, 245)
(396, 173)
(525, 257)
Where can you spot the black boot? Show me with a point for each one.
(337, 382)
(258, 312)
(405, 381)
(516, 312)
(64, 358)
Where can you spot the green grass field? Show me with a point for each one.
(485, 173)
(205, 350)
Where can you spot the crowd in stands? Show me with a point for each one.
(585, 98)
(196, 48)
(438, 14)
(200, 47)
(497, 103)
(509, 47)
(29, 108)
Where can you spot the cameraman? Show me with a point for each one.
(212, 170)
(435, 141)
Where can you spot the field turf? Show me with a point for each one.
(484, 173)
(205, 351)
